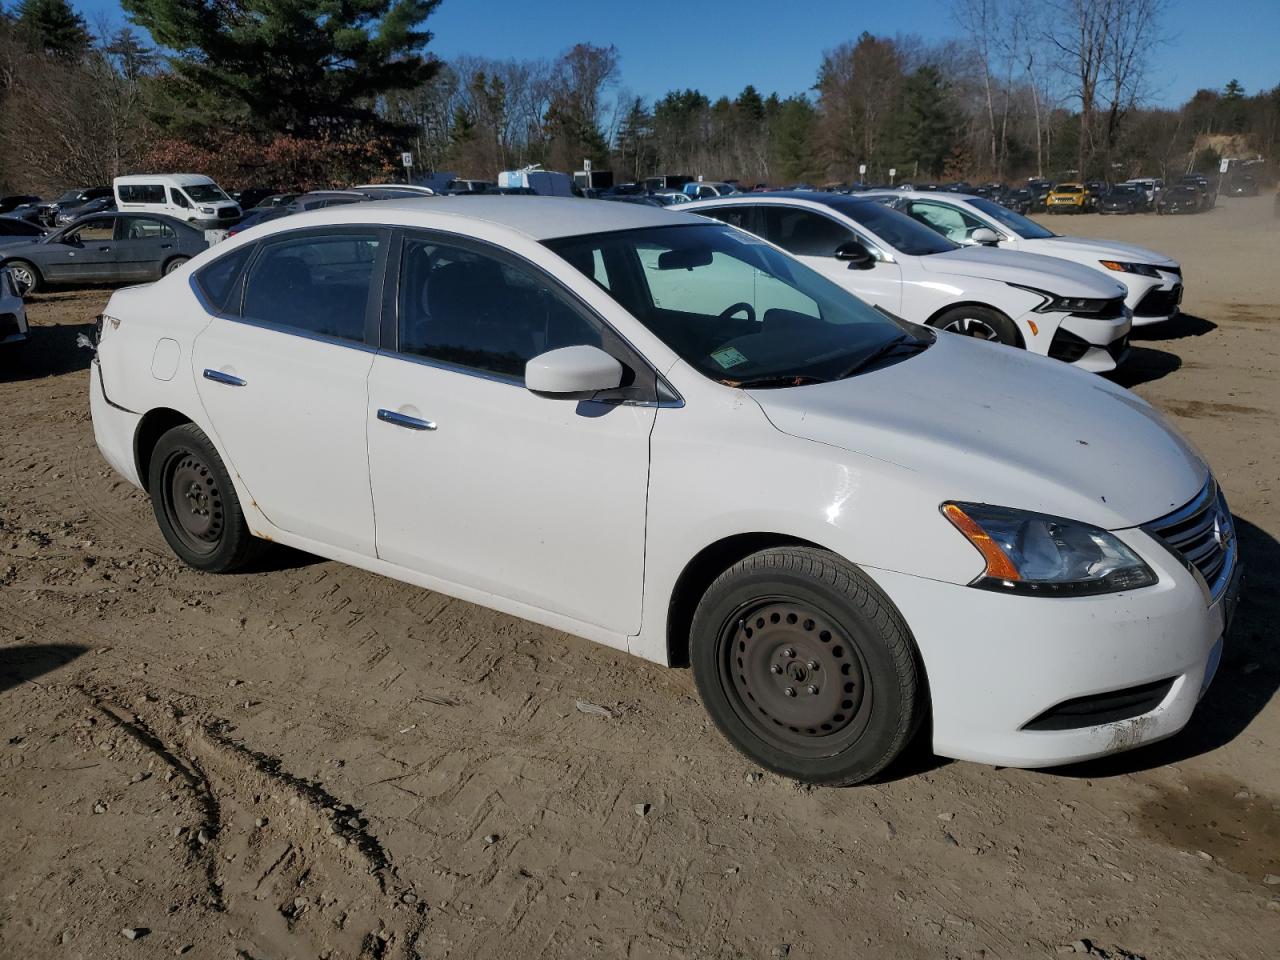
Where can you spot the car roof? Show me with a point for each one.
(539, 218)
(181, 179)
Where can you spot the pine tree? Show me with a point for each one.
(301, 66)
(927, 133)
(52, 26)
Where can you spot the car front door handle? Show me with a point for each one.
(104, 249)
(404, 420)
(230, 379)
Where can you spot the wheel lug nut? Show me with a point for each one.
(811, 688)
(775, 669)
(812, 664)
(789, 653)
(790, 692)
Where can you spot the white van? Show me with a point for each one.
(184, 196)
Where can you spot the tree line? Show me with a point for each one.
(306, 93)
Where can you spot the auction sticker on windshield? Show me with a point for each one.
(728, 357)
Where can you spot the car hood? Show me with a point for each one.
(9, 244)
(1094, 250)
(1027, 269)
(993, 424)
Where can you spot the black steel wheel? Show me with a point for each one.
(806, 666)
(195, 503)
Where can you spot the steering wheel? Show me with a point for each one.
(728, 312)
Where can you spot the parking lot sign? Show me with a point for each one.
(406, 159)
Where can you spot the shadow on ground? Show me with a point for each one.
(26, 661)
(1182, 326)
(50, 351)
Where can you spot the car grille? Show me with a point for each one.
(1201, 535)
(1111, 309)
(226, 213)
(1176, 271)
(1158, 303)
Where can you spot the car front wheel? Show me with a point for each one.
(981, 323)
(196, 505)
(806, 666)
(25, 275)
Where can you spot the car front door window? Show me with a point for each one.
(804, 233)
(952, 222)
(461, 307)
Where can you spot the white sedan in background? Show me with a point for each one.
(661, 433)
(1152, 281)
(1059, 309)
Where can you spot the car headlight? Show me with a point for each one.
(1119, 266)
(1033, 553)
(206, 209)
(1052, 303)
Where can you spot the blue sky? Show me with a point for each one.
(720, 47)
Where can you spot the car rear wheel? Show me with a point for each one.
(174, 264)
(981, 323)
(25, 275)
(196, 505)
(806, 666)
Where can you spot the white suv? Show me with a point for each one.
(1058, 309)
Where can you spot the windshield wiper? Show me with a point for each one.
(902, 341)
(791, 380)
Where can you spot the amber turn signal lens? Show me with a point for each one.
(999, 565)
(1112, 265)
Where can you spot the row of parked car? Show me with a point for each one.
(694, 438)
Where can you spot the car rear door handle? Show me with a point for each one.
(404, 420)
(230, 379)
(104, 249)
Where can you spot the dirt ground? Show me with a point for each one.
(310, 761)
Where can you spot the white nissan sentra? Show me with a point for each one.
(664, 434)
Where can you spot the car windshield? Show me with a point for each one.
(69, 197)
(204, 193)
(1024, 227)
(895, 228)
(1123, 191)
(733, 307)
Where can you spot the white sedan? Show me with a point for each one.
(666, 435)
(1059, 309)
(1152, 281)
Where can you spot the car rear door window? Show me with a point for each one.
(217, 281)
(740, 217)
(804, 232)
(144, 228)
(463, 307)
(316, 283)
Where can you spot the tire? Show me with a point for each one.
(981, 323)
(173, 265)
(786, 619)
(195, 503)
(26, 276)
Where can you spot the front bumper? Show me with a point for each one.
(1091, 343)
(996, 663)
(1152, 299)
(13, 325)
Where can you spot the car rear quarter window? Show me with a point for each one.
(218, 279)
(317, 283)
(462, 307)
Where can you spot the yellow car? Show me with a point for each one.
(1067, 198)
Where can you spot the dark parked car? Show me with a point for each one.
(69, 215)
(1180, 198)
(1019, 201)
(1123, 199)
(1205, 187)
(7, 204)
(73, 200)
(251, 196)
(258, 215)
(104, 248)
(276, 200)
(1040, 190)
(1242, 185)
(16, 227)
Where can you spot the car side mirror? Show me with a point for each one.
(984, 236)
(572, 373)
(855, 254)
